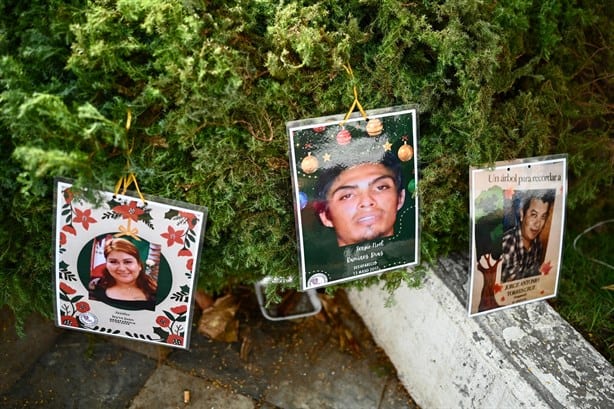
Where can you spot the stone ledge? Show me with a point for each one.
(526, 356)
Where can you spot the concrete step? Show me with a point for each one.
(523, 357)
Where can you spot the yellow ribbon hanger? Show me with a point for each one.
(124, 182)
(356, 103)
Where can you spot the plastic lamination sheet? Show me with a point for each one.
(517, 220)
(126, 267)
(354, 189)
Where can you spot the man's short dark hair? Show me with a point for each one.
(546, 196)
(328, 176)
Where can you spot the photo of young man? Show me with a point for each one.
(361, 202)
(354, 186)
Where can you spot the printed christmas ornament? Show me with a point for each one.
(319, 129)
(406, 152)
(309, 164)
(344, 137)
(375, 127)
(303, 199)
(411, 186)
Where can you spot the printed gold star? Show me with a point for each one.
(326, 157)
(387, 146)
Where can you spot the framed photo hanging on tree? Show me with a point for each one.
(125, 266)
(517, 211)
(354, 187)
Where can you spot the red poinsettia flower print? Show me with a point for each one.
(68, 196)
(174, 339)
(180, 309)
(129, 211)
(84, 217)
(184, 253)
(497, 288)
(163, 321)
(190, 218)
(545, 268)
(173, 236)
(69, 321)
(82, 306)
(66, 289)
(68, 228)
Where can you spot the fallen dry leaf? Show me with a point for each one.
(203, 300)
(218, 322)
(334, 310)
(246, 347)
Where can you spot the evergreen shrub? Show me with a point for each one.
(210, 85)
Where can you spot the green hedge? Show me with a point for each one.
(212, 83)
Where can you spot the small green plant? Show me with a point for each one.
(586, 297)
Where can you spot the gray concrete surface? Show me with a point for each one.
(198, 392)
(18, 354)
(523, 357)
(274, 365)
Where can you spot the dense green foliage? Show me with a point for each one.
(584, 299)
(210, 85)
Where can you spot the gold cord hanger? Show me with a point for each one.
(356, 103)
(126, 180)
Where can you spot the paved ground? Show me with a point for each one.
(324, 361)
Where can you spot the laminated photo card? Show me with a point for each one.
(517, 218)
(354, 183)
(126, 267)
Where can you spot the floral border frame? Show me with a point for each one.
(178, 227)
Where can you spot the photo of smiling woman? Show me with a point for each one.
(123, 281)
